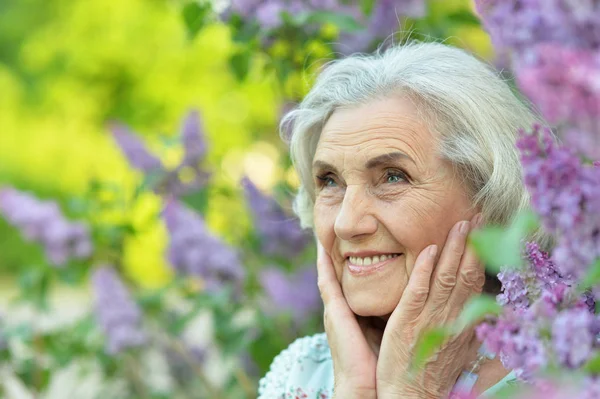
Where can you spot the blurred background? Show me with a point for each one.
(147, 243)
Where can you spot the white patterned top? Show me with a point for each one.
(305, 371)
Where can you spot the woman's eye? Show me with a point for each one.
(395, 177)
(327, 181)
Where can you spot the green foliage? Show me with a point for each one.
(498, 247)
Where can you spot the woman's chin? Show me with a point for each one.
(368, 307)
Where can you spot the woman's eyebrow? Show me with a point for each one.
(371, 163)
(322, 165)
(386, 158)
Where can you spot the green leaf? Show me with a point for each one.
(345, 22)
(366, 6)
(240, 64)
(428, 343)
(463, 17)
(498, 247)
(476, 309)
(195, 16)
(593, 365)
(197, 200)
(592, 276)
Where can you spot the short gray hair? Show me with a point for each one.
(474, 112)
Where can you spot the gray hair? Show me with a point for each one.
(474, 112)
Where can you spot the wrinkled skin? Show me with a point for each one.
(407, 205)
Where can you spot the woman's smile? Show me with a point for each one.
(365, 265)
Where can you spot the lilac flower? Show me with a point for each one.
(169, 182)
(194, 251)
(572, 337)
(192, 138)
(280, 234)
(383, 22)
(566, 194)
(516, 337)
(118, 315)
(564, 83)
(521, 24)
(514, 289)
(44, 223)
(297, 292)
(135, 150)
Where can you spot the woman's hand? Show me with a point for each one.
(354, 360)
(430, 302)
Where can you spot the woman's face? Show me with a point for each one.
(382, 190)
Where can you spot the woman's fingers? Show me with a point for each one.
(448, 267)
(417, 290)
(327, 281)
(470, 280)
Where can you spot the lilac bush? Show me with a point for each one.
(116, 312)
(43, 222)
(195, 251)
(280, 233)
(164, 181)
(296, 293)
(549, 319)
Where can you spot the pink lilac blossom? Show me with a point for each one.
(43, 222)
(168, 182)
(195, 251)
(280, 234)
(564, 83)
(296, 293)
(117, 314)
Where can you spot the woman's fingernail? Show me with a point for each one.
(433, 250)
(464, 227)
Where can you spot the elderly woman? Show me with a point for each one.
(400, 155)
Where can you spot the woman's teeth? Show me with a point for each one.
(371, 260)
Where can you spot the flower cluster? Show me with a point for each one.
(554, 46)
(194, 251)
(117, 314)
(565, 192)
(382, 21)
(280, 234)
(44, 223)
(543, 299)
(296, 293)
(188, 176)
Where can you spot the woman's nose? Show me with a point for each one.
(355, 218)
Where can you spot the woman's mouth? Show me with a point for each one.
(361, 266)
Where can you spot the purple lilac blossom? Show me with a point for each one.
(280, 234)
(517, 340)
(572, 337)
(193, 139)
(297, 293)
(565, 192)
(383, 22)
(522, 24)
(134, 149)
(194, 251)
(169, 182)
(514, 289)
(117, 314)
(43, 222)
